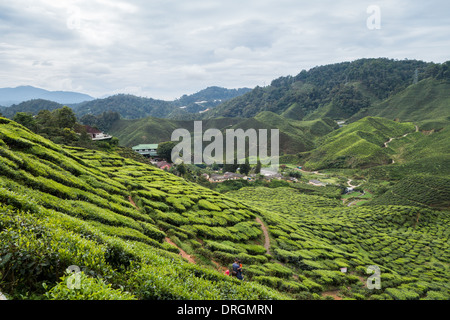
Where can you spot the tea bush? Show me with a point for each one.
(89, 289)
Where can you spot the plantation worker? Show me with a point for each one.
(237, 269)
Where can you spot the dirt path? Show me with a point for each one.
(266, 235)
(132, 202)
(405, 135)
(333, 294)
(167, 239)
(182, 252)
(349, 182)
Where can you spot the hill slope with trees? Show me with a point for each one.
(338, 91)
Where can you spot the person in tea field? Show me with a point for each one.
(237, 269)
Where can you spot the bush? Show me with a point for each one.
(277, 270)
(205, 204)
(402, 294)
(437, 295)
(217, 246)
(253, 249)
(89, 289)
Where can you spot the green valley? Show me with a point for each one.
(363, 184)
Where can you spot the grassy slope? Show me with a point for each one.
(62, 207)
(429, 99)
(358, 144)
(420, 175)
(295, 136)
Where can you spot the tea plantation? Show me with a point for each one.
(116, 219)
(314, 237)
(74, 207)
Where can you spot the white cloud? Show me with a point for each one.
(166, 48)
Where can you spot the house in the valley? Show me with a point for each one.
(163, 165)
(96, 134)
(216, 178)
(147, 150)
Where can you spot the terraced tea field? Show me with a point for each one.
(63, 207)
(314, 237)
(125, 223)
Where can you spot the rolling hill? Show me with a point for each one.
(31, 106)
(337, 90)
(358, 145)
(429, 99)
(295, 136)
(128, 106)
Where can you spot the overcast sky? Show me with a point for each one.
(166, 48)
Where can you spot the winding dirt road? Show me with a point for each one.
(405, 135)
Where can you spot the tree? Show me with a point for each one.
(215, 166)
(245, 168)
(230, 167)
(165, 150)
(44, 120)
(26, 119)
(69, 136)
(258, 167)
(295, 174)
(181, 168)
(65, 117)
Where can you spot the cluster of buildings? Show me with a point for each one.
(150, 151)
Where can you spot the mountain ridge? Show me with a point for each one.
(338, 90)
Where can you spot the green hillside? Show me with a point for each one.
(31, 106)
(418, 190)
(360, 144)
(337, 90)
(71, 206)
(146, 130)
(428, 99)
(420, 172)
(423, 152)
(128, 106)
(295, 136)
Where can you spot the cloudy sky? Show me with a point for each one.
(166, 48)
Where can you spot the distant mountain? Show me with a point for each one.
(10, 96)
(208, 98)
(133, 107)
(128, 106)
